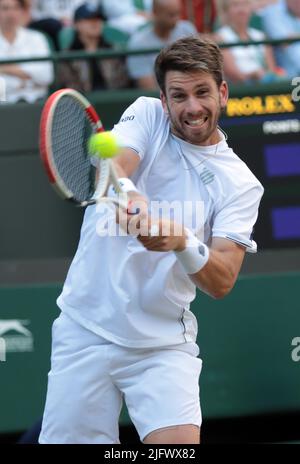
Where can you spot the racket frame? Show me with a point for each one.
(107, 172)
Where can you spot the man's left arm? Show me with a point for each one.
(218, 267)
(220, 273)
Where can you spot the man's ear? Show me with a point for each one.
(224, 92)
(164, 102)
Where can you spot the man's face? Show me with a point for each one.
(239, 11)
(294, 7)
(10, 14)
(90, 28)
(167, 14)
(193, 103)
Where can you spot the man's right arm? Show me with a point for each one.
(125, 164)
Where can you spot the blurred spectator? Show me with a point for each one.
(24, 81)
(147, 5)
(49, 16)
(123, 14)
(202, 13)
(245, 63)
(93, 74)
(165, 28)
(258, 5)
(283, 21)
(62, 10)
(26, 15)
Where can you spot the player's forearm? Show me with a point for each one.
(123, 173)
(125, 165)
(120, 170)
(216, 278)
(214, 270)
(127, 162)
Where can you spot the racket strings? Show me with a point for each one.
(72, 130)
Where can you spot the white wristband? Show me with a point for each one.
(126, 185)
(194, 257)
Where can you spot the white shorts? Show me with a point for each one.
(90, 376)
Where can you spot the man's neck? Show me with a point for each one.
(9, 34)
(240, 30)
(90, 44)
(293, 13)
(161, 33)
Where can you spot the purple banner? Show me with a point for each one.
(286, 223)
(282, 160)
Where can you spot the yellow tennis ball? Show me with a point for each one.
(103, 145)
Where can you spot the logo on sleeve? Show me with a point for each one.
(127, 118)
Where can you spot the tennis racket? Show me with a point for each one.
(68, 120)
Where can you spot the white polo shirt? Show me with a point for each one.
(27, 44)
(139, 298)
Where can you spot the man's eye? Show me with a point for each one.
(178, 96)
(202, 92)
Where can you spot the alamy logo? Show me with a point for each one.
(296, 90)
(16, 325)
(171, 214)
(2, 90)
(16, 336)
(295, 354)
(2, 350)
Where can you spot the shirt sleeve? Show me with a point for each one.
(235, 219)
(135, 126)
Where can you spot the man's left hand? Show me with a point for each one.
(163, 235)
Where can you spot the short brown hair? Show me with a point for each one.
(187, 55)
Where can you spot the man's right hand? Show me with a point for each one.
(135, 219)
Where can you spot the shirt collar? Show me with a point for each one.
(207, 149)
(18, 38)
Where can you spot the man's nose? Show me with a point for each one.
(194, 106)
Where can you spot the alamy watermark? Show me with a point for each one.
(296, 90)
(295, 354)
(162, 218)
(2, 90)
(2, 350)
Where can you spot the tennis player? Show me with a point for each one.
(126, 330)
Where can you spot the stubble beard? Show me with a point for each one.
(178, 131)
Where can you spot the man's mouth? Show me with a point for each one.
(196, 122)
